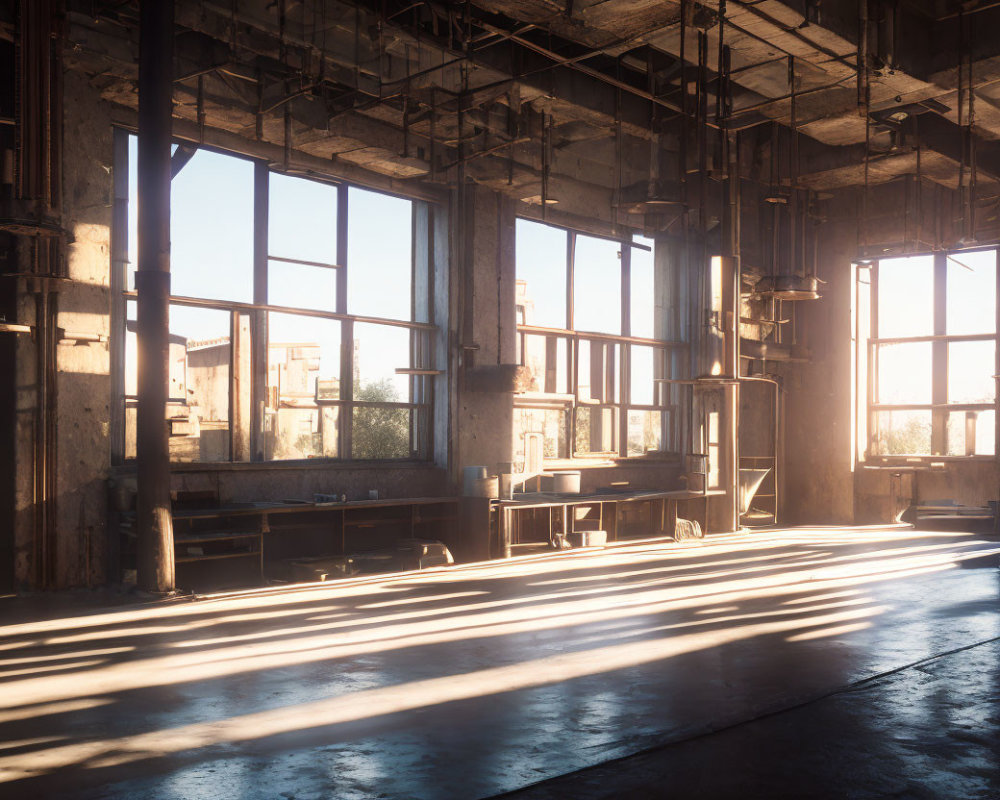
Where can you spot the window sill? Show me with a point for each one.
(302, 464)
(610, 462)
(923, 462)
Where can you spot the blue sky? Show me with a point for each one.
(212, 257)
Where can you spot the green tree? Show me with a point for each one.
(913, 438)
(380, 432)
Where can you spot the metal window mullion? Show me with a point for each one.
(302, 262)
(626, 349)
(542, 330)
(996, 357)
(573, 357)
(234, 305)
(873, 300)
(258, 317)
(415, 382)
(624, 397)
(570, 266)
(939, 357)
(119, 269)
(430, 340)
(346, 328)
(626, 289)
(570, 279)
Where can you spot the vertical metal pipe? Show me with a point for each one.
(37, 183)
(155, 530)
(862, 66)
(682, 146)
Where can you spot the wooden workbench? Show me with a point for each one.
(290, 529)
(599, 511)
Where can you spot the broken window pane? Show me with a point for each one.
(597, 372)
(541, 274)
(901, 433)
(971, 427)
(302, 219)
(645, 431)
(540, 433)
(972, 302)
(379, 255)
(971, 367)
(301, 286)
(904, 373)
(595, 430)
(597, 287)
(906, 297)
(642, 300)
(546, 358)
(303, 387)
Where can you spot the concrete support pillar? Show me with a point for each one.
(155, 530)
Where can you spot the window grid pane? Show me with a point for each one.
(210, 347)
(945, 372)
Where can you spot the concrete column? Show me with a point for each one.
(155, 529)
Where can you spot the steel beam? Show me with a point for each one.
(154, 524)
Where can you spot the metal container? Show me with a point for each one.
(567, 482)
(587, 538)
(469, 477)
(485, 487)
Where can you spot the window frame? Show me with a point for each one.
(423, 329)
(620, 373)
(867, 367)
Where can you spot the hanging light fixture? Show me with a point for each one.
(793, 280)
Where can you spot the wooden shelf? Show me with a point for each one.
(215, 557)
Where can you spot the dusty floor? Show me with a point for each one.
(471, 682)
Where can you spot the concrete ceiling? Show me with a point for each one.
(589, 90)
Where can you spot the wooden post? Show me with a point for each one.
(154, 525)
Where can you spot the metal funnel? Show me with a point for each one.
(750, 481)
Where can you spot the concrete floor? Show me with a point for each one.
(471, 682)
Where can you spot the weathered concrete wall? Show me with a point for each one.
(26, 401)
(823, 483)
(483, 427)
(243, 483)
(82, 383)
(84, 387)
(879, 496)
(481, 332)
(818, 475)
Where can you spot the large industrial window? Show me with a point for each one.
(300, 327)
(589, 330)
(927, 355)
